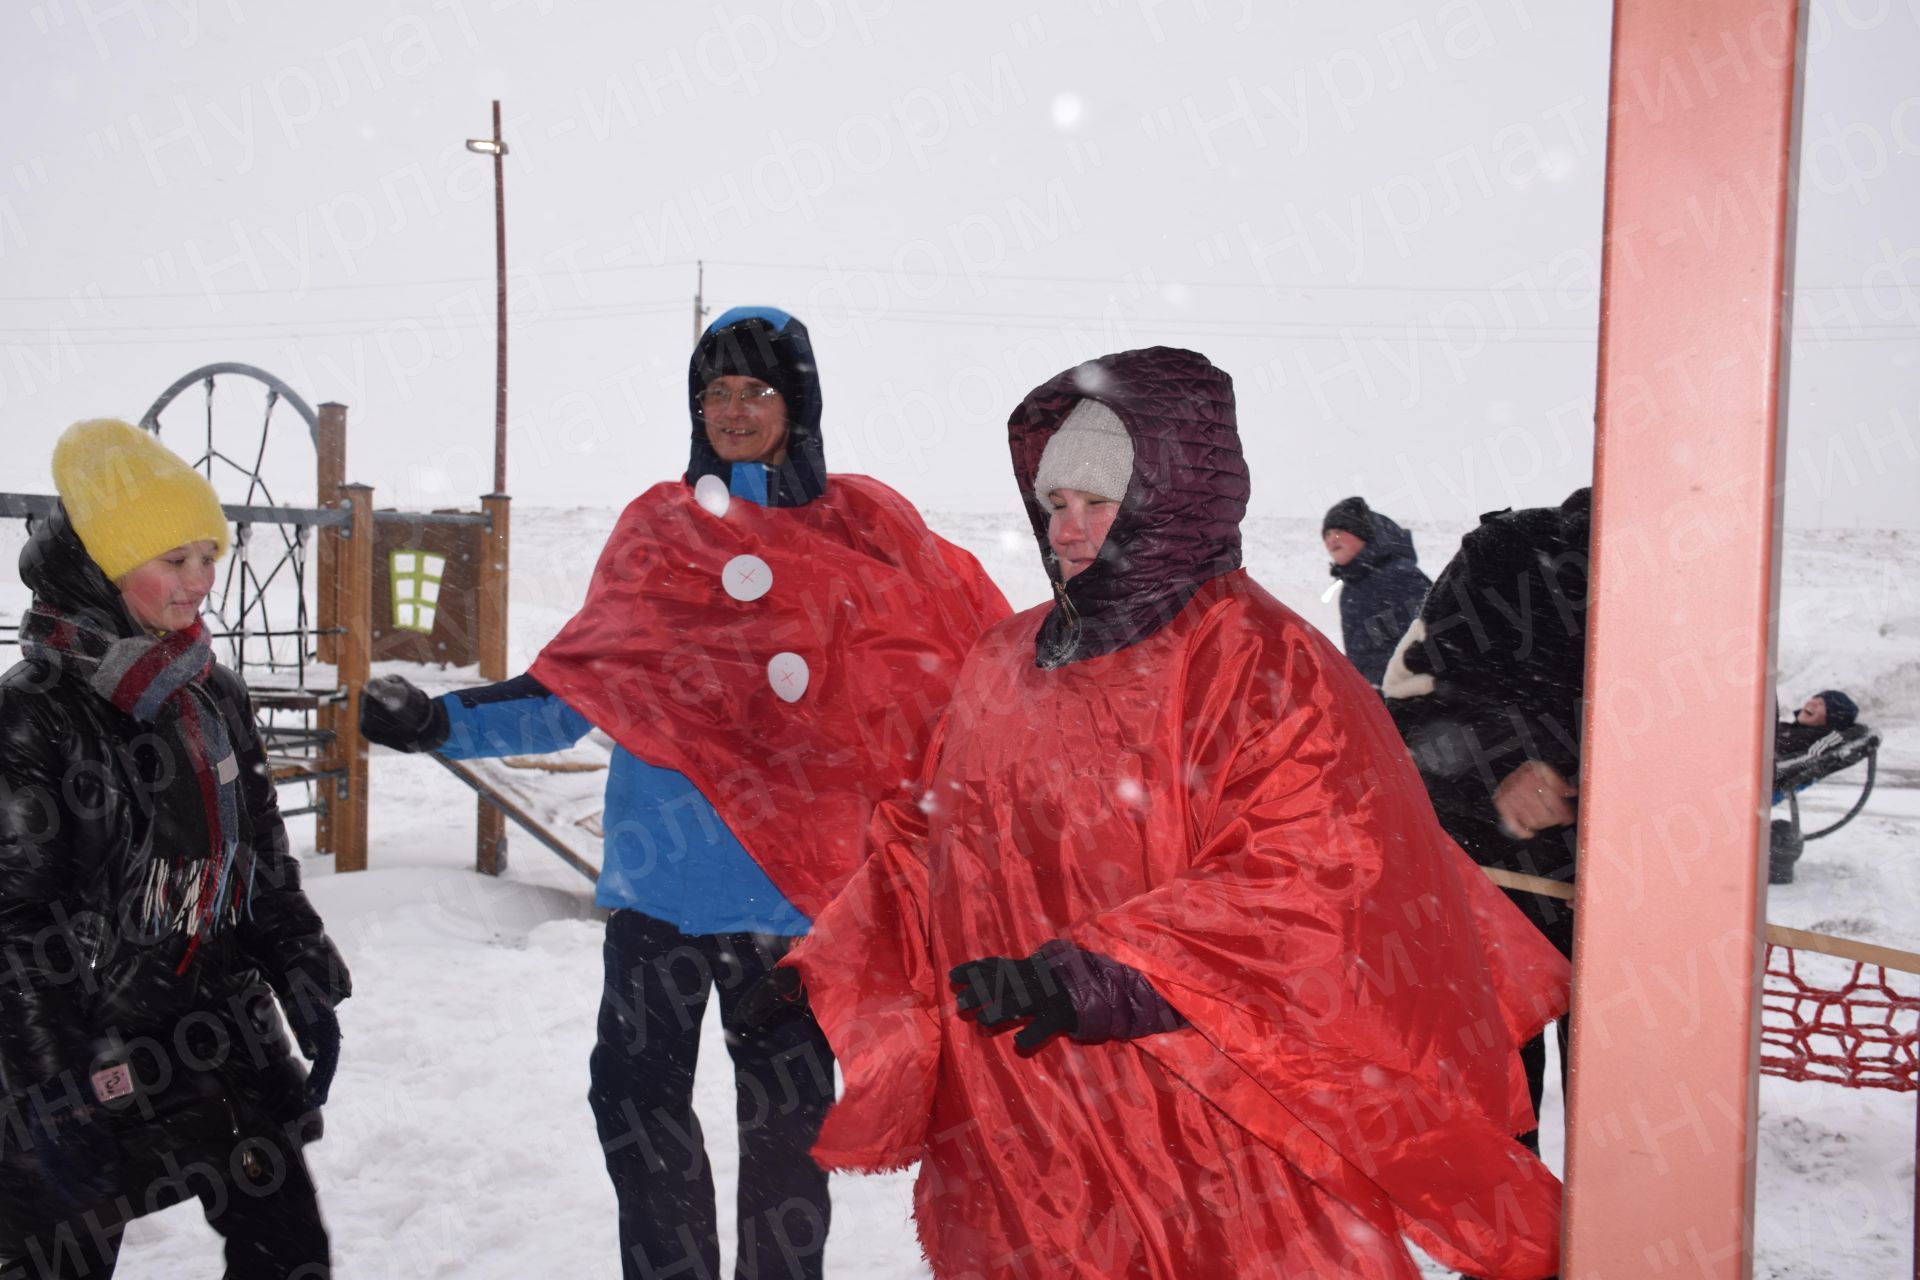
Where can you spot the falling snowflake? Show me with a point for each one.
(1092, 378)
(1557, 165)
(711, 493)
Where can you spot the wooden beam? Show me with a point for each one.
(490, 849)
(356, 650)
(330, 472)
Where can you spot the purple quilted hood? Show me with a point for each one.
(1179, 524)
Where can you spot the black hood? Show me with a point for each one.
(768, 344)
(1389, 542)
(58, 570)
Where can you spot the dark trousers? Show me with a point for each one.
(658, 981)
(270, 1222)
(1554, 919)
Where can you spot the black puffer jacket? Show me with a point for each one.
(1380, 597)
(1493, 677)
(86, 793)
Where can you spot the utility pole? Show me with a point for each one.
(490, 839)
(699, 300)
(497, 148)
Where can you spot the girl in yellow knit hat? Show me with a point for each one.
(150, 912)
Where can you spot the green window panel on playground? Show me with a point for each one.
(415, 577)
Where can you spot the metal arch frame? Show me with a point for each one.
(300, 736)
(240, 574)
(150, 420)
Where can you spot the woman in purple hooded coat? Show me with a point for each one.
(1263, 1012)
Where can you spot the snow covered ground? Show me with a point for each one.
(459, 1142)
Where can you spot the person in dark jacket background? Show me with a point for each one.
(150, 912)
(1486, 690)
(1381, 582)
(1823, 717)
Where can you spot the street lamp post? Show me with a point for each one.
(497, 148)
(490, 840)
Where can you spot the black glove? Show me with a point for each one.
(314, 971)
(777, 999)
(313, 981)
(397, 713)
(316, 1029)
(1002, 992)
(77, 1155)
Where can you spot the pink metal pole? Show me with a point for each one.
(1675, 782)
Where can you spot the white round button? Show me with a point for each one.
(747, 577)
(787, 673)
(711, 493)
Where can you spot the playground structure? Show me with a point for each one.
(1844, 749)
(1846, 1025)
(421, 586)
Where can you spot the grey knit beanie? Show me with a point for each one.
(1091, 452)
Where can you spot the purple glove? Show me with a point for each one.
(1112, 1001)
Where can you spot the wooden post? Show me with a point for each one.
(330, 472)
(490, 851)
(356, 649)
(1676, 779)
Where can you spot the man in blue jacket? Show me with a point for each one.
(723, 647)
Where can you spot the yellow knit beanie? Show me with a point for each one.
(130, 497)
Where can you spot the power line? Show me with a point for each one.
(357, 286)
(1010, 277)
(1262, 286)
(1284, 326)
(1276, 329)
(589, 311)
(1276, 326)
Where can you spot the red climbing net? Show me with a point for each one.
(1861, 1032)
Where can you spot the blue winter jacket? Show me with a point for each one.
(667, 852)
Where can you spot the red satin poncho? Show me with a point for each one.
(1225, 807)
(685, 649)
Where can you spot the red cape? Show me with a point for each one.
(1225, 807)
(675, 668)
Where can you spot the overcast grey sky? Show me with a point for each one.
(1382, 219)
